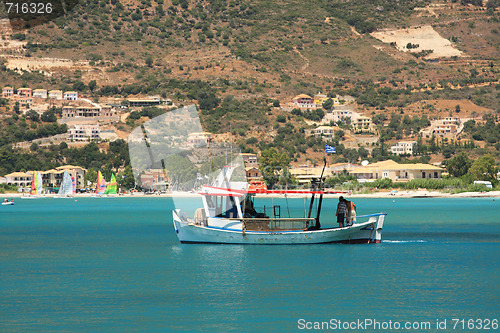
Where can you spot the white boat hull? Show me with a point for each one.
(366, 232)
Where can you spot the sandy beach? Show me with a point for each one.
(378, 194)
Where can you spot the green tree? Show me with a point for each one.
(271, 163)
(33, 115)
(207, 99)
(363, 152)
(17, 109)
(92, 85)
(49, 116)
(34, 147)
(126, 178)
(351, 155)
(327, 105)
(484, 168)
(285, 178)
(90, 176)
(79, 86)
(134, 115)
(458, 165)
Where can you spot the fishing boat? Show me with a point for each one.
(66, 188)
(227, 213)
(228, 216)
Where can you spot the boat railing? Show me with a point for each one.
(277, 224)
(370, 215)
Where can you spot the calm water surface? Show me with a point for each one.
(115, 264)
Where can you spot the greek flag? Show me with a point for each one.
(330, 149)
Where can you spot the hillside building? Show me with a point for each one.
(253, 173)
(53, 178)
(40, 93)
(396, 172)
(403, 148)
(361, 123)
(143, 102)
(451, 121)
(304, 101)
(24, 92)
(445, 130)
(8, 91)
(249, 159)
(87, 111)
(199, 139)
(19, 179)
(55, 94)
(84, 132)
(107, 111)
(327, 131)
(71, 95)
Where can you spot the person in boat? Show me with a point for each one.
(249, 208)
(341, 210)
(6, 200)
(350, 212)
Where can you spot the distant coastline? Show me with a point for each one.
(386, 194)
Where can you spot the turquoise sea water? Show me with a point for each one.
(115, 265)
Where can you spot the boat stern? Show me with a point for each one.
(378, 228)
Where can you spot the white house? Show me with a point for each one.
(71, 95)
(40, 93)
(84, 132)
(403, 148)
(20, 179)
(55, 94)
(304, 101)
(8, 91)
(324, 131)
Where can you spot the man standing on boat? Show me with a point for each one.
(350, 212)
(341, 209)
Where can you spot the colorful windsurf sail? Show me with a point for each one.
(112, 187)
(101, 184)
(36, 183)
(34, 180)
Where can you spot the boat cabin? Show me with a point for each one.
(234, 208)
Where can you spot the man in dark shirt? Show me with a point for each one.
(341, 210)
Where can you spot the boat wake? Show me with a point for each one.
(405, 241)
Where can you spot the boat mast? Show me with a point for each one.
(318, 225)
(317, 185)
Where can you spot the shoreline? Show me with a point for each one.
(375, 195)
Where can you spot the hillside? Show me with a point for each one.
(236, 57)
